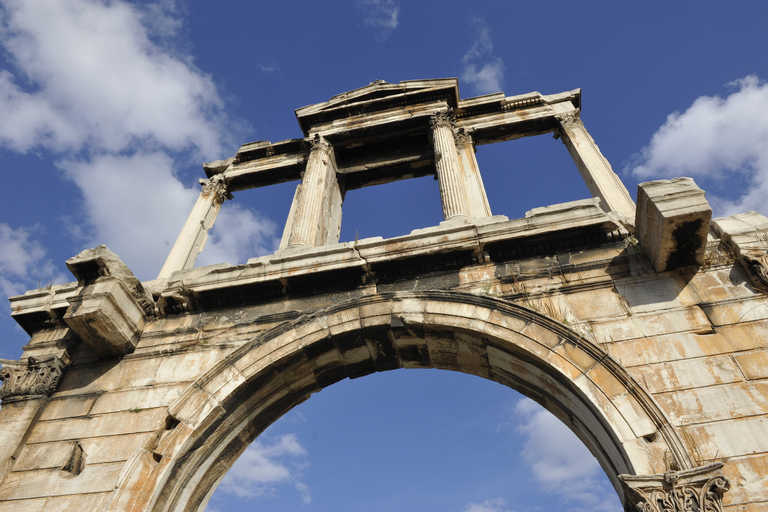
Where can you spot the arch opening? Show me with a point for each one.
(418, 440)
(226, 409)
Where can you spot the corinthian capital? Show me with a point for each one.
(216, 185)
(443, 118)
(691, 490)
(36, 377)
(320, 143)
(569, 118)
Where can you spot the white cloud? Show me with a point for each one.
(720, 142)
(23, 262)
(99, 85)
(93, 76)
(482, 69)
(495, 505)
(560, 462)
(265, 466)
(380, 15)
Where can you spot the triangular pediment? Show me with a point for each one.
(379, 95)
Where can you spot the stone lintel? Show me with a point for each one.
(699, 488)
(490, 118)
(672, 222)
(460, 235)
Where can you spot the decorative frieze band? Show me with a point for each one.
(36, 377)
(693, 490)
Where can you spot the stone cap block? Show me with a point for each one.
(672, 222)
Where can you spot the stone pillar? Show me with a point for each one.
(594, 168)
(194, 234)
(315, 217)
(453, 187)
(478, 201)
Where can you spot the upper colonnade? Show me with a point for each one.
(386, 132)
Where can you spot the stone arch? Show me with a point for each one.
(216, 419)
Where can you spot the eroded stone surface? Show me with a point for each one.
(161, 385)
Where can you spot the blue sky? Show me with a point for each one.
(108, 108)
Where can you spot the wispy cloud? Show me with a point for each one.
(560, 462)
(381, 15)
(23, 262)
(266, 466)
(495, 505)
(482, 70)
(99, 86)
(720, 142)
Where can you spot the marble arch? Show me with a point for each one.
(227, 407)
(643, 326)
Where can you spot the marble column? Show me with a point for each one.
(194, 234)
(315, 217)
(453, 187)
(594, 168)
(478, 200)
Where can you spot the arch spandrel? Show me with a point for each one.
(226, 409)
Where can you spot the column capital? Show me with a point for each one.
(463, 137)
(39, 376)
(320, 143)
(690, 490)
(443, 118)
(569, 118)
(216, 185)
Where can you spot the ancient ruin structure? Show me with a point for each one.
(644, 329)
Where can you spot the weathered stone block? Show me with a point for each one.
(672, 222)
(107, 318)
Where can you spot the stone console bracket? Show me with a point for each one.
(747, 236)
(111, 306)
(672, 223)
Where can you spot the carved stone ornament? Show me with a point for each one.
(568, 119)
(693, 490)
(442, 118)
(320, 144)
(217, 185)
(757, 264)
(36, 377)
(463, 138)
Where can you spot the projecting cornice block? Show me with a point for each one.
(672, 222)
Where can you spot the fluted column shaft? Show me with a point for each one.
(453, 189)
(593, 166)
(315, 218)
(194, 234)
(478, 200)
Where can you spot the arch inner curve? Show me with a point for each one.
(573, 378)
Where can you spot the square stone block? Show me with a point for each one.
(672, 222)
(107, 317)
